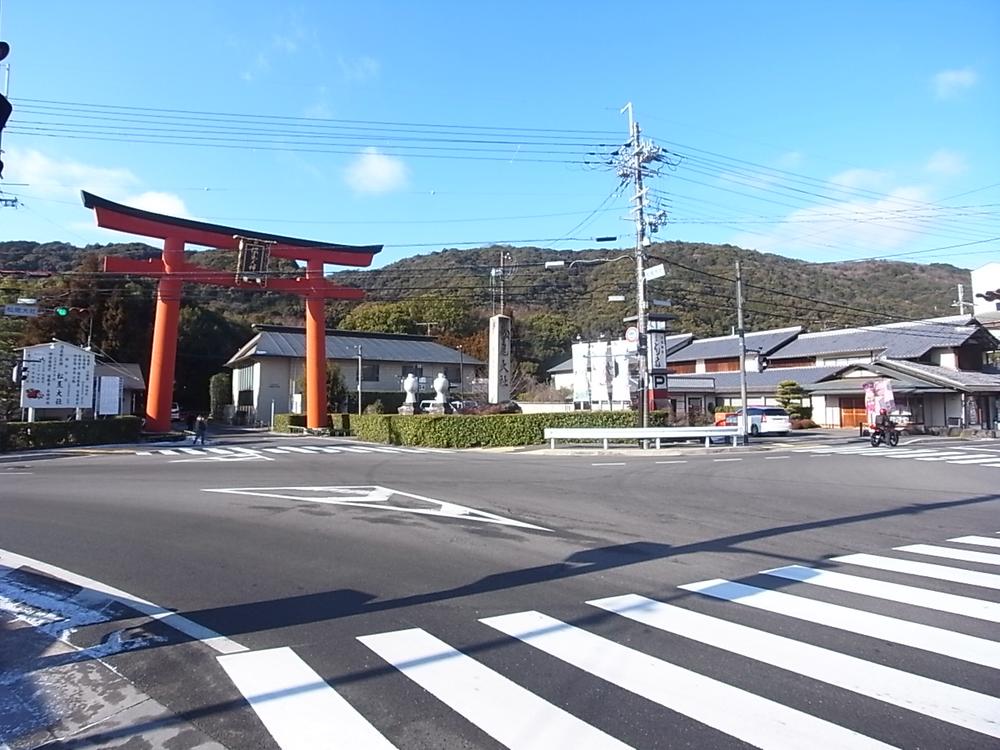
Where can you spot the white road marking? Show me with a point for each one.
(9, 473)
(297, 449)
(190, 451)
(950, 703)
(671, 462)
(775, 458)
(144, 453)
(275, 450)
(987, 558)
(377, 497)
(721, 460)
(190, 628)
(510, 714)
(750, 718)
(982, 541)
(927, 570)
(944, 457)
(222, 451)
(168, 452)
(330, 449)
(895, 592)
(610, 463)
(298, 708)
(976, 460)
(915, 635)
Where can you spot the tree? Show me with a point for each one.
(336, 391)
(385, 317)
(220, 388)
(789, 395)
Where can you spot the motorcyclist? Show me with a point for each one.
(883, 422)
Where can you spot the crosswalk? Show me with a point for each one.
(928, 674)
(240, 453)
(961, 456)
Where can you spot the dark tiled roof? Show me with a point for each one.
(277, 341)
(729, 382)
(894, 341)
(729, 346)
(130, 373)
(966, 380)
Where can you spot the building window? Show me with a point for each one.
(369, 373)
(416, 370)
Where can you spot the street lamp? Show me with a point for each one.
(359, 379)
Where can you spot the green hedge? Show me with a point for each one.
(470, 431)
(22, 435)
(285, 422)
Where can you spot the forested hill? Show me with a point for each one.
(699, 283)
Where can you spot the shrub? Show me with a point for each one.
(21, 435)
(477, 430)
(285, 422)
(220, 391)
(803, 424)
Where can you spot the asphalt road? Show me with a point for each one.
(450, 599)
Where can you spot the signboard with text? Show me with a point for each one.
(500, 372)
(57, 376)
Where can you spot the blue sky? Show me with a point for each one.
(822, 131)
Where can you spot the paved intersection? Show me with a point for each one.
(860, 612)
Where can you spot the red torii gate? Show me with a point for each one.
(172, 271)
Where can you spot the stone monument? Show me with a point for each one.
(410, 388)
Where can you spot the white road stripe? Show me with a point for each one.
(150, 453)
(354, 449)
(720, 460)
(298, 708)
(671, 462)
(297, 449)
(895, 592)
(748, 717)
(916, 635)
(189, 451)
(167, 452)
(922, 456)
(955, 705)
(171, 619)
(976, 460)
(275, 450)
(222, 451)
(927, 570)
(610, 463)
(982, 541)
(509, 713)
(775, 458)
(988, 558)
(943, 457)
(330, 449)
(247, 451)
(311, 448)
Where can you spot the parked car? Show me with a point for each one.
(764, 420)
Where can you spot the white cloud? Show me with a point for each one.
(949, 83)
(54, 178)
(372, 172)
(851, 228)
(790, 159)
(359, 69)
(946, 163)
(50, 178)
(860, 178)
(160, 203)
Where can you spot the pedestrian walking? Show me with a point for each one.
(200, 428)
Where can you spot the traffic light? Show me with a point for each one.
(20, 372)
(62, 312)
(991, 296)
(762, 363)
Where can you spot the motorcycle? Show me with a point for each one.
(878, 436)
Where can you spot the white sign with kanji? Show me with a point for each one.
(57, 376)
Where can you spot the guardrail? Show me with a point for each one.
(658, 434)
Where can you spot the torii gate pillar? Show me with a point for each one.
(163, 358)
(316, 403)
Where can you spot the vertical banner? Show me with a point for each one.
(600, 378)
(109, 395)
(656, 348)
(621, 391)
(878, 396)
(500, 374)
(581, 373)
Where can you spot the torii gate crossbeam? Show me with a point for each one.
(173, 271)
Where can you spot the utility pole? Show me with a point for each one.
(640, 256)
(743, 355)
(961, 303)
(359, 379)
